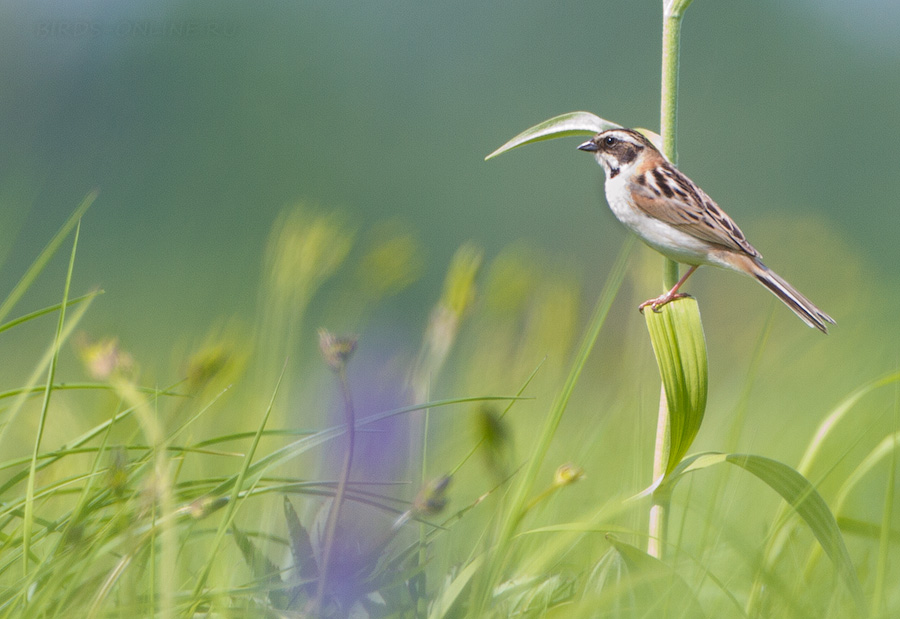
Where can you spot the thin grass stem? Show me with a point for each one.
(659, 517)
(334, 512)
(28, 519)
(44, 257)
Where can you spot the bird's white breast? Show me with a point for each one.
(664, 238)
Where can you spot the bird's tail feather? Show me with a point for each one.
(803, 307)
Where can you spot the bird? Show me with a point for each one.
(671, 214)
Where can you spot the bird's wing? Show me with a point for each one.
(673, 198)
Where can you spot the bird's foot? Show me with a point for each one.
(661, 300)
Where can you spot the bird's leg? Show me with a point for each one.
(668, 297)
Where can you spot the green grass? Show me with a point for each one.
(504, 479)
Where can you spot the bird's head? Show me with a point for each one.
(618, 149)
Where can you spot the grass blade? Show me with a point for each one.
(825, 430)
(806, 501)
(235, 492)
(887, 516)
(836, 416)
(517, 506)
(41, 261)
(47, 310)
(886, 448)
(442, 604)
(294, 449)
(28, 519)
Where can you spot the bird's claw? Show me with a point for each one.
(658, 302)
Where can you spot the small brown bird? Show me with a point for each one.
(676, 218)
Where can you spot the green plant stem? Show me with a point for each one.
(668, 119)
(334, 513)
(672, 16)
(41, 261)
(669, 94)
(671, 274)
(28, 519)
(658, 520)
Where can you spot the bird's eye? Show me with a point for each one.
(610, 140)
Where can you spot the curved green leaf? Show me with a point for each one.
(809, 505)
(837, 415)
(825, 431)
(680, 347)
(564, 125)
(887, 447)
(802, 496)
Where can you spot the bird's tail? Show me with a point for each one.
(803, 307)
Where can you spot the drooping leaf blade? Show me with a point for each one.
(809, 505)
(886, 449)
(830, 427)
(564, 125)
(802, 496)
(837, 415)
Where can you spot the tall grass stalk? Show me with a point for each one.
(44, 257)
(517, 507)
(161, 493)
(673, 14)
(335, 511)
(28, 520)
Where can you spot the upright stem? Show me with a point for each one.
(669, 93)
(334, 513)
(659, 507)
(669, 103)
(673, 12)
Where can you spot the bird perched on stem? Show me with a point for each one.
(676, 218)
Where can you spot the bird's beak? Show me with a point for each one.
(589, 146)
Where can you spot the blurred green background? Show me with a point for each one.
(199, 122)
(266, 169)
